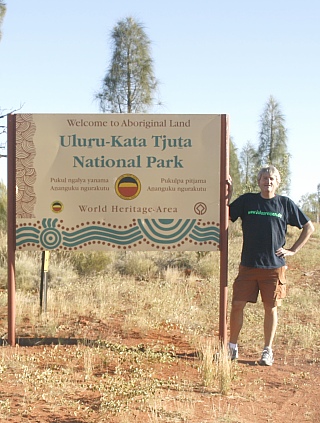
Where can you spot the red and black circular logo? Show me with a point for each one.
(57, 206)
(128, 187)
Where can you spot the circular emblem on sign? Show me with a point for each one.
(50, 238)
(200, 208)
(128, 187)
(56, 207)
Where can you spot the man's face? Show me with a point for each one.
(268, 185)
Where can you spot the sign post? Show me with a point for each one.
(44, 281)
(11, 227)
(224, 220)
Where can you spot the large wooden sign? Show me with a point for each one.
(116, 181)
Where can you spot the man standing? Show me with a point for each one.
(265, 217)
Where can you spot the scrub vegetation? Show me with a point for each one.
(131, 337)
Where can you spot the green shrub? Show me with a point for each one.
(184, 261)
(208, 266)
(3, 247)
(91, 262)
(28, 271)
(3, 206)
(136, 264)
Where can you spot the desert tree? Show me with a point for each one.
(3, 10)
(310, 205)
(318, 201)
(3, 206)
(234, 168)
(316, 204)
(249, 168)
(272, 148)
(129, 85)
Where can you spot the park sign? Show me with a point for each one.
(118, 181)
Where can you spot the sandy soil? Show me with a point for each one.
(286, 392)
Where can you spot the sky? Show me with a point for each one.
(209, 57)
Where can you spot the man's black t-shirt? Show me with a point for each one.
(264, 226)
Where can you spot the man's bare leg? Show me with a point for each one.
(270, 324)
(236, 320)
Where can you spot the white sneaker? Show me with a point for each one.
(267, 357)
(233, 352)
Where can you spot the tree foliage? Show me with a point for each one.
(129, 85)
(234, 168)
(272, 149)
(3, 206)
(249, 168)
(3, 10)
(310, 204)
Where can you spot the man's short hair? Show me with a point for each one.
(272, 170)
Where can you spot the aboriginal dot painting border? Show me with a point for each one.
(156, 234)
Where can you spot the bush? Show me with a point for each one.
(91, 262)
(3, 206)
(28, 271)
(208, 266)
(136, 264)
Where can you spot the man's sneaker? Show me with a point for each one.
(233, 352)
(267, 357)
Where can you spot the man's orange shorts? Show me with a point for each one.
(271, 283)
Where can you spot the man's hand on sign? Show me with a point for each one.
(230, 188)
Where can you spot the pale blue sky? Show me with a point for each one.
(209, 56)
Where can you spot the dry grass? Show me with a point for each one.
(94, 381)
